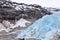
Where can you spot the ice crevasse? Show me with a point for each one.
(41, 27)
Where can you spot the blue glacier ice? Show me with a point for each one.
(40, 27)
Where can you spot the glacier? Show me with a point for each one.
(41, 27)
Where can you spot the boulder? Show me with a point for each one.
(6, 24)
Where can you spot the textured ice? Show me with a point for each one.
(41, 27)
(49, 35)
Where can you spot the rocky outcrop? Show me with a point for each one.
(14, 11)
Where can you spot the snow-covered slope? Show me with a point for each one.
(21, 23)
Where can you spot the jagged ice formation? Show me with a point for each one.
(41, 27)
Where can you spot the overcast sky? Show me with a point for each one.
(44, 3)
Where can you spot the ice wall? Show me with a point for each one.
(41, 27)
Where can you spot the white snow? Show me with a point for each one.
(21, 22)
(3, 28)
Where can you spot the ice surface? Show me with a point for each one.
(51, 34)
(41, 27)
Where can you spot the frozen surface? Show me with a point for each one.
(41, 27)
(51, 34)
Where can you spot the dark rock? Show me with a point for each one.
(9, 11)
